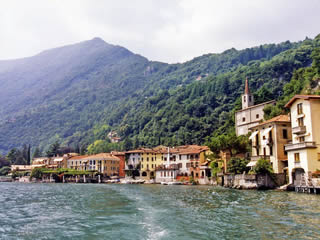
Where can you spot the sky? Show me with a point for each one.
(161, 30)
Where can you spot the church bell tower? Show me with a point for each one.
(247, 97)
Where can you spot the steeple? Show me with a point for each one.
(246, 89)
(247, 97)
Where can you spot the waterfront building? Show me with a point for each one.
(104, 163)
(78, 163)
(304, 151)
(133, 162)
(268, 140)
(122, 162)
(250, 115)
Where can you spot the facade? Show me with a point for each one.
(167, 163)
(250, 115)
(268, 140)
(122, 162)
(104, 163)
(304, 151)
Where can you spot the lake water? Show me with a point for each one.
(92, 211)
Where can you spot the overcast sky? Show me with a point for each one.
(163, 30)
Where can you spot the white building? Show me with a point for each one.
(304, 151)
(250, 115)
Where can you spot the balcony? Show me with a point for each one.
(302, 145)
(299, 130)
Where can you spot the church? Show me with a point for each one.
(250, 115)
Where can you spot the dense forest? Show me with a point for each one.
(77, 94)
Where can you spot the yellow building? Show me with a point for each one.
(268, 140)
(304, 151)
(104, 163)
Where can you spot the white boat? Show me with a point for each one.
(174, 183)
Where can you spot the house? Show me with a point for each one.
(104, 163)
(268, 140)
(133, 162)
(250, 115)
(122, 157)
(304, 151)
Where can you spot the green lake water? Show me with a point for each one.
(93, 211)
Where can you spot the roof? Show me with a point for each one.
(78, 157)
(115, 153)
(280, 118)
(246, 88)
(185, 149)
(102, 156)
(258, 105)
(305, 97)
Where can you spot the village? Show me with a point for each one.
(290, 143)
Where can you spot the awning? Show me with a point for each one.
(251, 163)
(267, 130)
(253, 135)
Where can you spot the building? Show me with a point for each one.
(122, 162)
(250, 115)
(104, 163)
(304, 151)
(268, 140)
(183, 162)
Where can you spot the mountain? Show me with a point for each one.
(76, 94)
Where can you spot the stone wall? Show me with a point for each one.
(253, 181)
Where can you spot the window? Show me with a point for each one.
(300, 110)
(244, 99)
(188, 165)
(243, 119)
(285, 133)
(257, 115)
(264, 137)
(300, 122)
(297, 157)
(318, 156)
(250, 98)
(147, 159)
(301, 139)
(271, 151)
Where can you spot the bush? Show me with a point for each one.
(263, 166)
(4, 171)
(237, 165)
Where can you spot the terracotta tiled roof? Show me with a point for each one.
(102, 156)
(280, 118)
(306, 97)
(186, 149)
(78, 157)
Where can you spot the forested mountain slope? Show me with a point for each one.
(77, 93)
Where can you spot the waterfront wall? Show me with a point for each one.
(253, 181)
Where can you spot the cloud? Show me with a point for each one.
(166, 30)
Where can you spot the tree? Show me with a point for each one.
(263, 166)
(4, 162)
(237, 165)
(229, 142)
(37, 153)
(53, 149)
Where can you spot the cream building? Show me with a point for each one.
(268, 142)
(250, 115)
(304, 151)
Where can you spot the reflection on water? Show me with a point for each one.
(70, 211)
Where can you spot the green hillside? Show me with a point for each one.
(78, 93)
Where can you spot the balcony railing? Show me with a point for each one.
(299, 130)
(296, 146)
